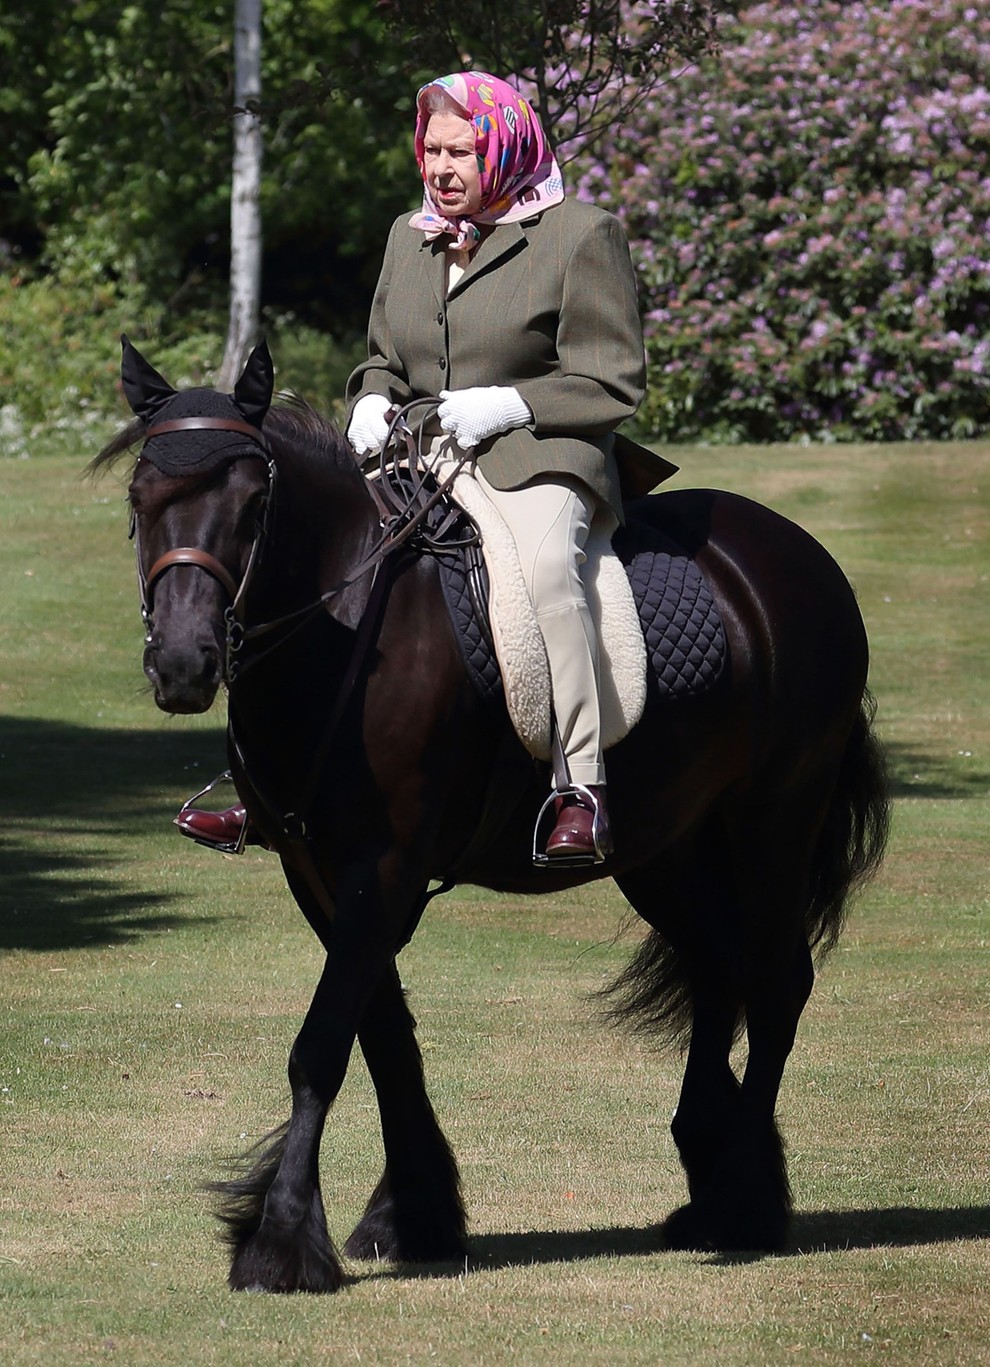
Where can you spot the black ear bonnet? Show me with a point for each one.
(197, 452)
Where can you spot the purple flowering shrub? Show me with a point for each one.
(810, 222)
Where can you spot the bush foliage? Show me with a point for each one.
(60, 357)
(114, 197)
(809, 220)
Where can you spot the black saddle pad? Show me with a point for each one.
(685, 639)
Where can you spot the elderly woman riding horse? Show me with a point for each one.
(744, 811)
(517, 305)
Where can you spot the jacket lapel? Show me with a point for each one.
(506, 240)
(433, 265)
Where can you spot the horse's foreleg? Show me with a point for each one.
(415, 1214)
(276, 1224)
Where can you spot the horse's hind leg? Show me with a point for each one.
(741, 1197)
(744, 1201)
(706, 1107)
(688, 985)
(415, 1214)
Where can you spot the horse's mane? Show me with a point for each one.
(295, 430)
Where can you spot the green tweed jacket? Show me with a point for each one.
(547, 306)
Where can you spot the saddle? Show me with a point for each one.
(658, 623)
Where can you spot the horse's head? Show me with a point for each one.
(198, 493)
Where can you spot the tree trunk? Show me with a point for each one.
(245, 186)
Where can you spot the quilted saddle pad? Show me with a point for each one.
(686, 647)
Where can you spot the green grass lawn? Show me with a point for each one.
(151, 991)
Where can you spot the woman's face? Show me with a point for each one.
(451, 165)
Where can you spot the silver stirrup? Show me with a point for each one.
(232, 846)
(569, 861)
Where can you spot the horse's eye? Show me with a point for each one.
(253, 511)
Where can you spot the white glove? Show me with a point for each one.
(471, 415)
(368, 428)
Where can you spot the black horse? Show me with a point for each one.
(742, 816)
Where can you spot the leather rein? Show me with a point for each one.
(401, 513)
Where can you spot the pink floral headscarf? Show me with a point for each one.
(519, 173)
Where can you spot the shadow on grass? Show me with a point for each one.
(74, 801)
(813, 1232)
(921, 773)
(898, 1227)
(835, 1231)
(65, 789)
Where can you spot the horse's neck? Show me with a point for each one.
(324, 523)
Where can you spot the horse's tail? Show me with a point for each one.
(854, 836)
(652, 995)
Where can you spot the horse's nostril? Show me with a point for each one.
(211, 666)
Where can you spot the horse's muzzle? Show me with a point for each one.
(184, 680)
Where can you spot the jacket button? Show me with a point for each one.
(442, 363)
(440, 318)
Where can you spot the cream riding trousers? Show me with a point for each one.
(553, 520)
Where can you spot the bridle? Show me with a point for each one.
(193, 555)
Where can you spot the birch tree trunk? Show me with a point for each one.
(245, 186)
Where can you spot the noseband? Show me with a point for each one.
(193, 555)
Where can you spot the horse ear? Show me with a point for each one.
(253, 391)
(146, 391)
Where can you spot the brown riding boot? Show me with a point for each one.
(581, 834)
(227, 831)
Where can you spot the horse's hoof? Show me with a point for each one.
(283, 1265)
(424, 1224)
(701, 1228)
(376, 1239)
(682, 1232)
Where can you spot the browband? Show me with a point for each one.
(198, 424)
